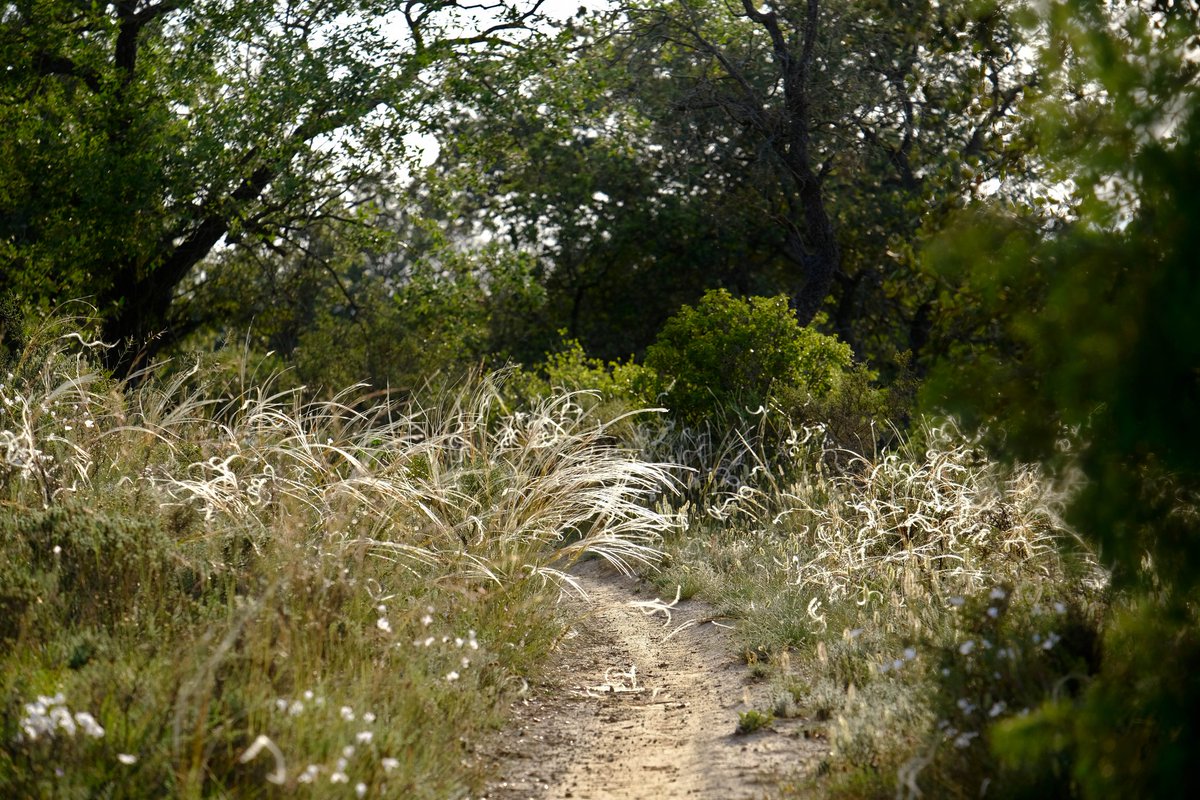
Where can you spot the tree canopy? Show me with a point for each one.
(140, 137)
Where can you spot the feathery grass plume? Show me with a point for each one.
(851, 574)
(184, 562)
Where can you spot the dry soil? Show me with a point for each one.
(642, 703)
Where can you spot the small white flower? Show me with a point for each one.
(348, 751)
(364, 737)
(309, 775)
(360, 789)
(339, 777)
(87, 423)
(909, 653)
(281, 704)
(127, 758)
(963, 740)
(89, 724)
(295, 709)
(389, 763)
(452, 676)
(997, 709)
(426, 620)
(967, 647)
(998, 594)
(369, 717)
(383, 624)
(993, 612)
(308, 694)
(347, 713)
(1059, 608)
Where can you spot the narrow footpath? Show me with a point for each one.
(643, 703)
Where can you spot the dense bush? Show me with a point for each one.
(728, 353)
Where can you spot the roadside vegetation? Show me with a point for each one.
(872, 323)
(239, 593)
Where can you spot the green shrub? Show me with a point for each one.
(92, 563)
(728, 353)
(1011, 655)
(608, 389)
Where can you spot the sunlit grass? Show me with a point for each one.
(858, 579)
(256, 593)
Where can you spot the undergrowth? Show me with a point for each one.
(907, 601)
(254, 595)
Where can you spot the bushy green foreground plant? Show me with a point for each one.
(256, 596)
(907, 601)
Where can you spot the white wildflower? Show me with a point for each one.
(963, 740)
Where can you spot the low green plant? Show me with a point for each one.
(608, 389)
(753, 720)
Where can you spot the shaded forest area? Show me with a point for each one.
(862, 215)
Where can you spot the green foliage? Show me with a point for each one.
(728, 355)
(218, 595)
(1131, 730)
(1081, 352)
(753, 720)
(90, 565)
(570, 369)
(136, 138)
(1011, 655)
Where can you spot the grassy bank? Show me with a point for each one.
(236, 592)
(907, 603)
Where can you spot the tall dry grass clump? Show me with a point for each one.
(889, 594)
(252, 593)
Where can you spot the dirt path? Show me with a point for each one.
(639, 707)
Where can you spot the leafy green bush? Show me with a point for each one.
(94, 564)
(1011, 654)
(728, 353)
(609, 390)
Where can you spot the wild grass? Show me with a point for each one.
(882, 592)
(254, 594)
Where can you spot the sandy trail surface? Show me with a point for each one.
(639, 705)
